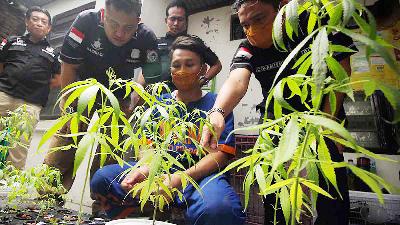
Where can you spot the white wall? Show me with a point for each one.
(216, 34)
(61, 6)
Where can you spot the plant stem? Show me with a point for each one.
(296, 182)
(297, 172)
(276, 207)
(156, 205)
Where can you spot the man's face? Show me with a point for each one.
(256, 14)
(119, 26)
(38, 25)
(176, 20)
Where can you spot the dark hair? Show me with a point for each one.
(127, 6)
(191, 43)
(28, 13)
(178, 4)
(238, 3)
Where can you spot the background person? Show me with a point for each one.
(28, 69)
(177, 22)
(257, 55)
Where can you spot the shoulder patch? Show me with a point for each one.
(243, 53)
(3, 43)
(76, 35)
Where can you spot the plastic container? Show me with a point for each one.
(136, 222)
(373, 211)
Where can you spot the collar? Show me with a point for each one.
(41, 42)
(171, 35)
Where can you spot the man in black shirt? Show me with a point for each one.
(258, 55)
(177, 20)
(27, 66)
(97, 40)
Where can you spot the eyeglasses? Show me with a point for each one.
(176, 18)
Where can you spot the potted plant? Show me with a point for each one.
(303, 135)
(149, 131)
(18, 123)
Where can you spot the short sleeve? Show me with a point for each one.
(5, 44)
(226, 142)
(73, 49)
(242, 57)
(210, 57)
(56, 67)
(150, 59)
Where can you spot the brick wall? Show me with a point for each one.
(11, 20)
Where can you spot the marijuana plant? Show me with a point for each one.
(303, 135)
(150, 131)
(18, 123)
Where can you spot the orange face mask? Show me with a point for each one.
(184, 80)
(260, 35)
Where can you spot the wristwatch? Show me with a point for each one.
(204, 80)
(220, 110)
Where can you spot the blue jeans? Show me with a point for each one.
(218, 204)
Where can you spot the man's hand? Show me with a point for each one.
(208, 140)
(134, 177)
(172, 181)
(55, 82)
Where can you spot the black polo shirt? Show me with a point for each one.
(164, 48)
(87, 44)
(28, 68)
(265, 63)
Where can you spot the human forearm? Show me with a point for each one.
(68, 74)
(213, 70)
(211, 163)
(233, 90)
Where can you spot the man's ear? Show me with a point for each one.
(166, 20)
(139, 19)
(50, 27)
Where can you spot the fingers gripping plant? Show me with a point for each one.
(275, 166)
(150, 131)
(157, 126)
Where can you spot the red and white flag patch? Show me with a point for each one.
(243, 53)
(76, 35)
(3, 43)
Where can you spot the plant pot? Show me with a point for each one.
(136, 222)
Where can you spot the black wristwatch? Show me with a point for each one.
(203, 79)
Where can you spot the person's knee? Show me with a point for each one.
(223, 212)
(101, 180)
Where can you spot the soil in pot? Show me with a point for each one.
(23, 216)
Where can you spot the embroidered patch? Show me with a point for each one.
(152, 56)
(243, 53)
(76, 35)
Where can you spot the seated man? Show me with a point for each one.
(218, 204)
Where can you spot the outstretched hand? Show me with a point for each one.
(208, 140)
(134, 177)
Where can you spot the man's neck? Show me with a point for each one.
(176, 35)
(189, 95)
(35, 40)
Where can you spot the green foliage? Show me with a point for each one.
(40, 185)
(303, 136)
(149, 130)
(18, 124)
